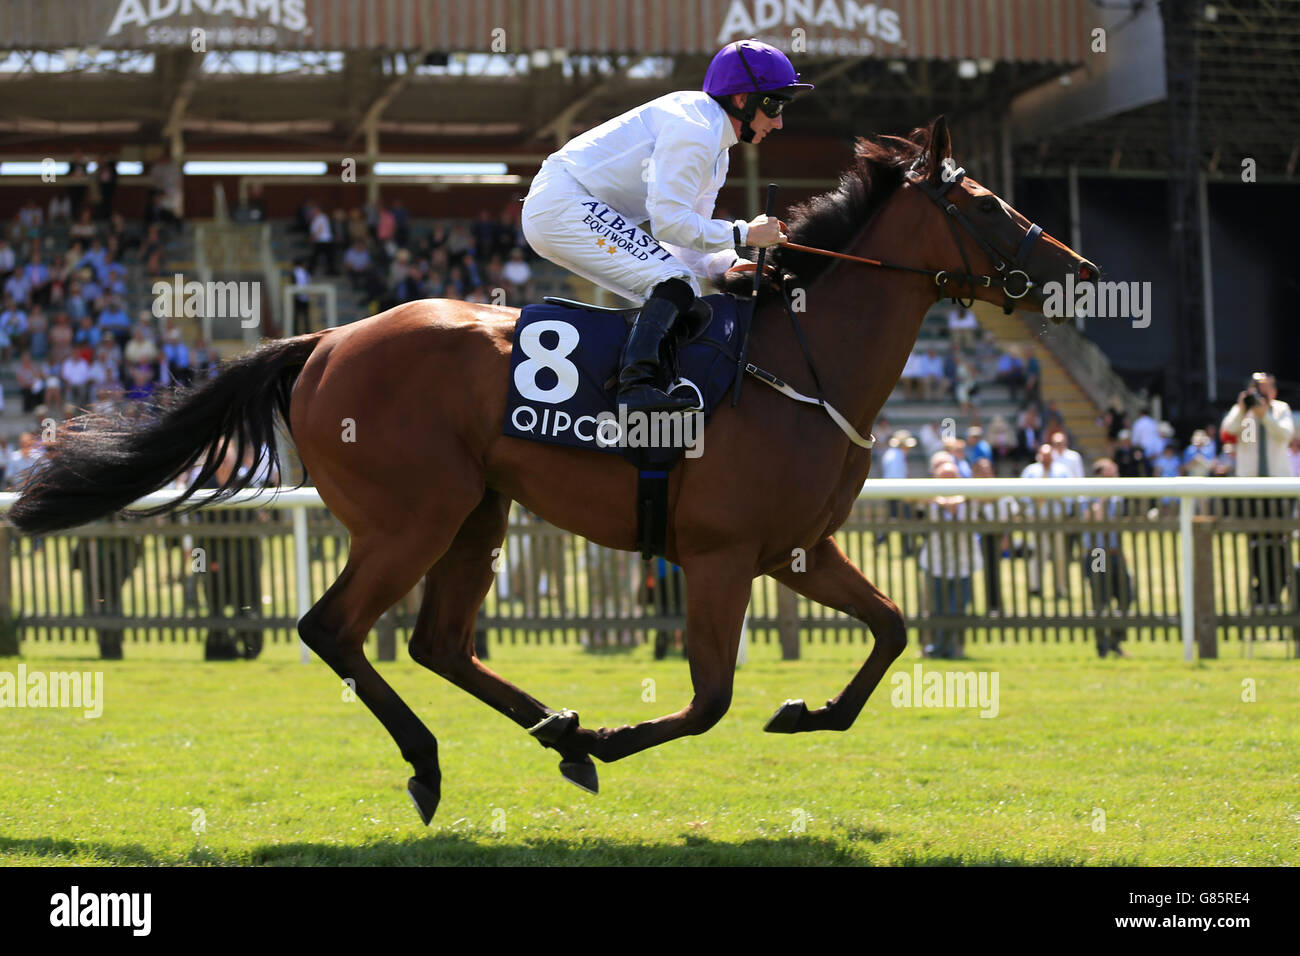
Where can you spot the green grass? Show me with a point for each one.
(286, 772)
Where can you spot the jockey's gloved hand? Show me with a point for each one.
(765, 231)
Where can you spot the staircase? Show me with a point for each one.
(1058, 384)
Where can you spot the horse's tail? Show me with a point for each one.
(99, 464)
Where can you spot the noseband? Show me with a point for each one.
(1008, 279)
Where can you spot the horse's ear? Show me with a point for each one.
(940, 148)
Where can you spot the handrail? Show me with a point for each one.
(1186, 490)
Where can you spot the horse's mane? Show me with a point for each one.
(831, 220)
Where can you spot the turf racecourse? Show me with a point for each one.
(1145, 761)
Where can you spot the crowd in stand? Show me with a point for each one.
(1143, 448)
(66, 333)
(388, 263)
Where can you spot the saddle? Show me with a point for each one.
(563, 389)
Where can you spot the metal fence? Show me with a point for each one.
(992, 560)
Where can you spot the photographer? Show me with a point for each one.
(1262, 428)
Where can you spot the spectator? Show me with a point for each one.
(106, 179)
(113, 321)
(518, 273)
(322, 241)
(930, 440)
(1061, 449)
(401, 223)
(1263, 428)
(1003, 440)
(1033, 376)
(911, 377)
(301, 306)
(31, 381)
(1198, 457)
(957, 448)
(1130, 460)
(18, 288)
(142, 382)
(21, 459)
(357, 229)
(78, 180)
(87, 332)
(993, 546)
(485, 234)
(459, 242)
(151, 251)
(60, 339)
(1146, 435)
(1294, 447)
(59, 209)
(356, 263)
(977, 449)
(1104, 566)
(1029, 435)
(893, 464)
(965, 386)
(962, 327)
(1044, 546)
(84, 228)
(386, 232)
(1011, 373)
(38, 334)
(932, 378)
(13, 328)
(37, 274)
(141, 348)
(176, 355)
(31, 219)
(8, 261)
(949, 559)
(203, 359)
(1053, 418)
(508, 235)
(75, 374)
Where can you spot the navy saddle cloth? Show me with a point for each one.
(563, 382)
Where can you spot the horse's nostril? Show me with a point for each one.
(1088, 272)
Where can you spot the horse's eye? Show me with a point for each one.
(988, 204)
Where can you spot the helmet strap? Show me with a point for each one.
(745, 114)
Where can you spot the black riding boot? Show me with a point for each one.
(639, 381)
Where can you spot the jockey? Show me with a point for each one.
(660, 166)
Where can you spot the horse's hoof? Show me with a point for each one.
(787, 717)
(581, 773)
(552, 727)
(425, 799)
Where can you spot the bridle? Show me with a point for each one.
(1007, 268)
(1004, 274)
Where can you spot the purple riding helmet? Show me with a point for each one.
(757, 69)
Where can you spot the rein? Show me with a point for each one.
(942, 277)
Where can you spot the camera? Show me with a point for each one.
(1251, 398)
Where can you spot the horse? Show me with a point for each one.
(398, 418)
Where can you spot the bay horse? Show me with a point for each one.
(398, 421)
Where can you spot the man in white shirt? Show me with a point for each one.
(661, 164)
(1146, 435)
(1263, 427)
(962, 326)
(1046, 546)
(1062, 451)
(322, 241)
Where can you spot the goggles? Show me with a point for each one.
(772, 105)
